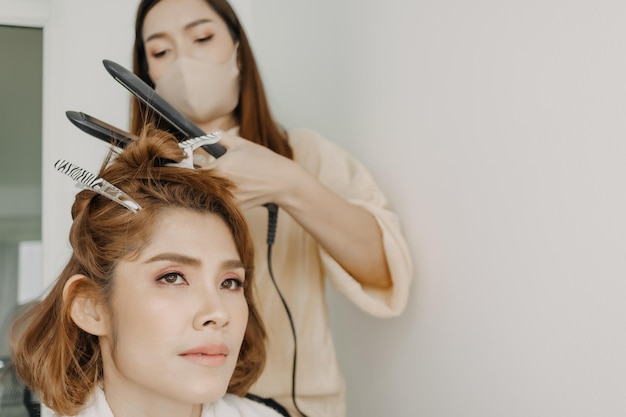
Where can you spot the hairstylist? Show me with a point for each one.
(334, 222)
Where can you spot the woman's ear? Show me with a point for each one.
(86, 307)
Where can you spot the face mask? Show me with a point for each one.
(201, 90)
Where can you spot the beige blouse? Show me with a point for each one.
(301, 268)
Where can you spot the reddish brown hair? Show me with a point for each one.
(56, 358)
(252, 113)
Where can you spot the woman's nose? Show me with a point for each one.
(211, 310)
(185, 49)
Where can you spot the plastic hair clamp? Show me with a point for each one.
(192, 144)
(88, 181)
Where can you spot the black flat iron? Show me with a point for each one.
(176, 119)
(150, 98)
(99, 129)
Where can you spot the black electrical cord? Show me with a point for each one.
(272, 221)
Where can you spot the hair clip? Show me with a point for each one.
(192, 144)
(88, 181)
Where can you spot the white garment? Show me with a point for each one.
(228, 406)
(301, 268)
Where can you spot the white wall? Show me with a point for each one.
(497, 130)
(78, 35)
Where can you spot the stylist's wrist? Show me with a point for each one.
(298, 187)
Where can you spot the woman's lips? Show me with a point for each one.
(208, 355)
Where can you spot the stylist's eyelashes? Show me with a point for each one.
(204, 39)
(159, 54)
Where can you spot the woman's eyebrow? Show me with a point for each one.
(197, 22)
(188, 26)
(174, 257)
(188, 260)
(233, 264)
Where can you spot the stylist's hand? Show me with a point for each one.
(261, 175)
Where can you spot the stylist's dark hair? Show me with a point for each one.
(252, 113)
(62, 362)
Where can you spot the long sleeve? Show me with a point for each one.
(346, 176)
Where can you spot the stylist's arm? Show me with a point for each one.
(347, 232)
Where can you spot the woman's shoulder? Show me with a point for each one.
(302, 136)
(310, 146)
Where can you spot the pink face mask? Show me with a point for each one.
(201, 90)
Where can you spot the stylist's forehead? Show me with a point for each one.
(174, 16)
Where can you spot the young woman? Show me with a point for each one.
(334, 222)
(154, 313)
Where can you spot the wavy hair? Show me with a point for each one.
(56, 358)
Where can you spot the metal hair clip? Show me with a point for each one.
(88, 181)
(192, 144)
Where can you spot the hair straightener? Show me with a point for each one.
(99, 129)
(150, 98)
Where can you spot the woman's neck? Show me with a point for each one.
(223, 123)
(129, 403)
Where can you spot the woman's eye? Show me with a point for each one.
(232, 284)
(204, 39)
(159, 54)
(173, 278)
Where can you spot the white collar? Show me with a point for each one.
(228, 406)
